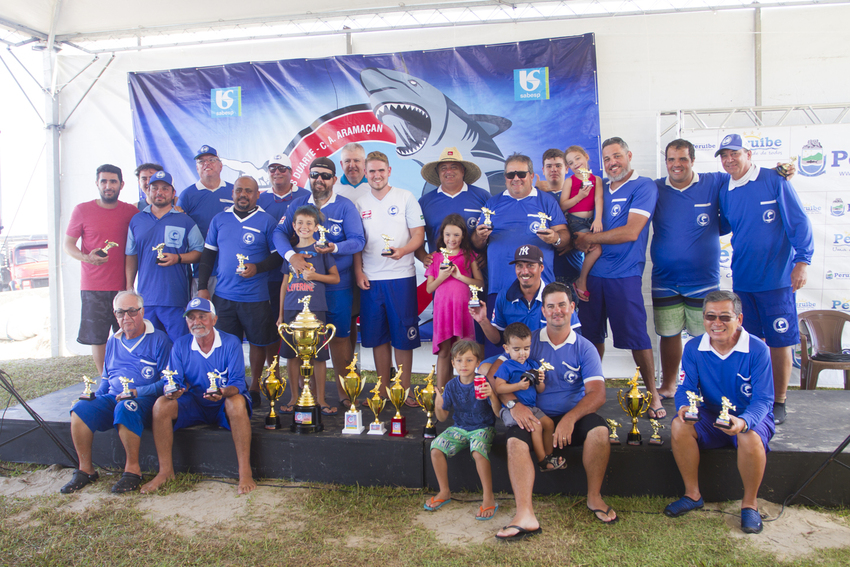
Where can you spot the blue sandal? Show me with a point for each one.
(682, 506)
(751, 521)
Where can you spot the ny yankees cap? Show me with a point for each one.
(200, 304)
(325, 163)
(528, 253)
(730, 142)
(162, 176)
(204, 150)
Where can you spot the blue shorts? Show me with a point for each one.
(771, 315)
(710, 437)
(167, 319)
(190, 411)
(340, 302)
(678, 307)
(388, 313)
(626, 315)
(103, 413)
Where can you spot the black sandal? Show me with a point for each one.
(551, 459)
(127, 483)
(78, 481)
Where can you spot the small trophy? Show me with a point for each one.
(387, 251)
(487, 214)
(241, 267)
(272, 388)
(613, 438)
(446, 263)
(655, 438)
(170, 385)
(353, 384)
(160, 255)
(635, 405)
(398, 394)
(785, 168)
(723, 420)
(474, 301)
(376, 404)
(543, 218)
(584, 175)
(102, 252)
(426, 398)
(545, 366)
(126, 394)
(693, 412)
(213, 378)
(87, 393)
(322, 242)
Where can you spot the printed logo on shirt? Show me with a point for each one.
(248, 238)
(472, 222)
(534, 227)
(174, 236)
(366, 214)
(336, 230)
(222, 382)
(747, 389)
(615, 210)
(768, 216)
(392, 211)
(780, 325)
(571, 374)
(702, 219)
(147, 372)
(131, 405)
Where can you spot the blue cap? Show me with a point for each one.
(730, 142)
(204, 150)
(200, 304)
(162, 176)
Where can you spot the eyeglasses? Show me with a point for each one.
(121, 312)
(280, 168)
(713, 317)
(512, 174)
(207, 160)
(325, 176)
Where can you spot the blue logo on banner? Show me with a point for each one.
(531, 84)
(226, 102)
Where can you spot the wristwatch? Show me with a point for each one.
(510, 404)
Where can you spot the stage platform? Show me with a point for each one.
(817, 423)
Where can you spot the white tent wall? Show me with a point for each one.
(646, 64)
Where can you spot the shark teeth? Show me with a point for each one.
(410, 122)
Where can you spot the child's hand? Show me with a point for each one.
(584, 191)
(485, 389)
(309, 273)
(596, 226)
(541, 375)
(524, 384)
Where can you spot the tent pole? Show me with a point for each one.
(54, 211)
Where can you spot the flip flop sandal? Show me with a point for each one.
(127, 483)
(606, 512)
(582, 294)
(482, 509)
(328, 410)
(436, 504)
(287, 409)
(521, 534)
(551, 459)
(411, 403)
(78, 481)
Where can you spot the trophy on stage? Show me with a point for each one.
(635, 405)
(655, 438)
(487, 214)
(693, 411)
(241, 267)
(543, 218)
(102, 252)
(352, 385)
(474, 301)
(446, 263)
(272, 388)
(306, 332)
(87, 393)
(398, 394)
(387, 251)
(125, 394)
(322, 242)
(426, 398)
(613, 438)
(213, 377)
(376, 404)
(170, 385)
(160, 255)
(723, 420)
(785, 168)
(584, 175)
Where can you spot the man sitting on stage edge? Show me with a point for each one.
(195, 357)
(727, 362)
(138, 352)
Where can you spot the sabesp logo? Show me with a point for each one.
(531, 84)
(226, 102)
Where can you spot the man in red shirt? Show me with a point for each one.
(94, 224)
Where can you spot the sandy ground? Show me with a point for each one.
(214, 504)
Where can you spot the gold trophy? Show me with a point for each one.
(635, 404)
(545, 366)
(398, 394)
(655, 438)
(426, 398)
(170, 385)
(446, 263)
(584, 175)
(322, 242)
(87, 393)
(241, 267)
(613, 438)
(125, 394)
(387, 251)
(693, 411)
(543, 218)
(376, 404)
(785, 168)
(306, 332)
(353, 384)
(213, 377)
(160, 255)
(102, 252)
(487, 214)
(474, 301)
(723, 420)
(272, 388)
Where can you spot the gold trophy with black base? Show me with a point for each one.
(352, 385)
(306, 332)
(398, 394)
(87, 393)
(104, 252)
(426, 398)
(635, 404)
(272, 388)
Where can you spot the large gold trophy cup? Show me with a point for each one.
(426, 398)
(397, 394)
(272, 388)
(306, 332)
(635, 404)
(353, 384)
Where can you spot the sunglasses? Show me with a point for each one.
(713, 317)
(280, 168)
(325, 176)
(512, 174)
(121, 312)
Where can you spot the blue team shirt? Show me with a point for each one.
(163, 286)
(685, 246)
(576, 362)
(511, 307)
(770, 231)
(469, 414)
(192, 365)
(345, 230)
(202, 205)
(275, 205)
(511, 372)
(142, 359)
(230, 235)
(744, 376)
(297, 287)
(437, 205)
(637, 195)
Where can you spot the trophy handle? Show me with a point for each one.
(330, 338)
(648, 400)
(620, 400)
(282, 330)
(417, 395)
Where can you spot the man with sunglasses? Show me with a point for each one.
(139, 352)
(725, 366)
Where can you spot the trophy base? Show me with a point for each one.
(273, 422)
(212, 391)
(398, 427)
(87, 397)
(613, 441)
(723, 423)
(121, 397)
(306, 419)
(100, 253)
(388, 253)
(239, 271)
(170, 390)
(635, 439)
(353, 423)
(430, 432)
(653, 441)
(691, 416)
(377, 428)
(163, 261)
(474, 303)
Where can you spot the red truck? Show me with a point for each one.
(24, 265)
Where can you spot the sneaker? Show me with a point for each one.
(256, 400)
(779, 414)
(751, 521)
(682, 506)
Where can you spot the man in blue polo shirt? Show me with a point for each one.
(614, 282)
(163, 282)
(727, 363)
(139, 352)
(773, 247)
(203, 359)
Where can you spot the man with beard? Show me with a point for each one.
(352, 184)
(144, 173)
(95, 223)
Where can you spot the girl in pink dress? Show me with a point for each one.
(450, 286)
